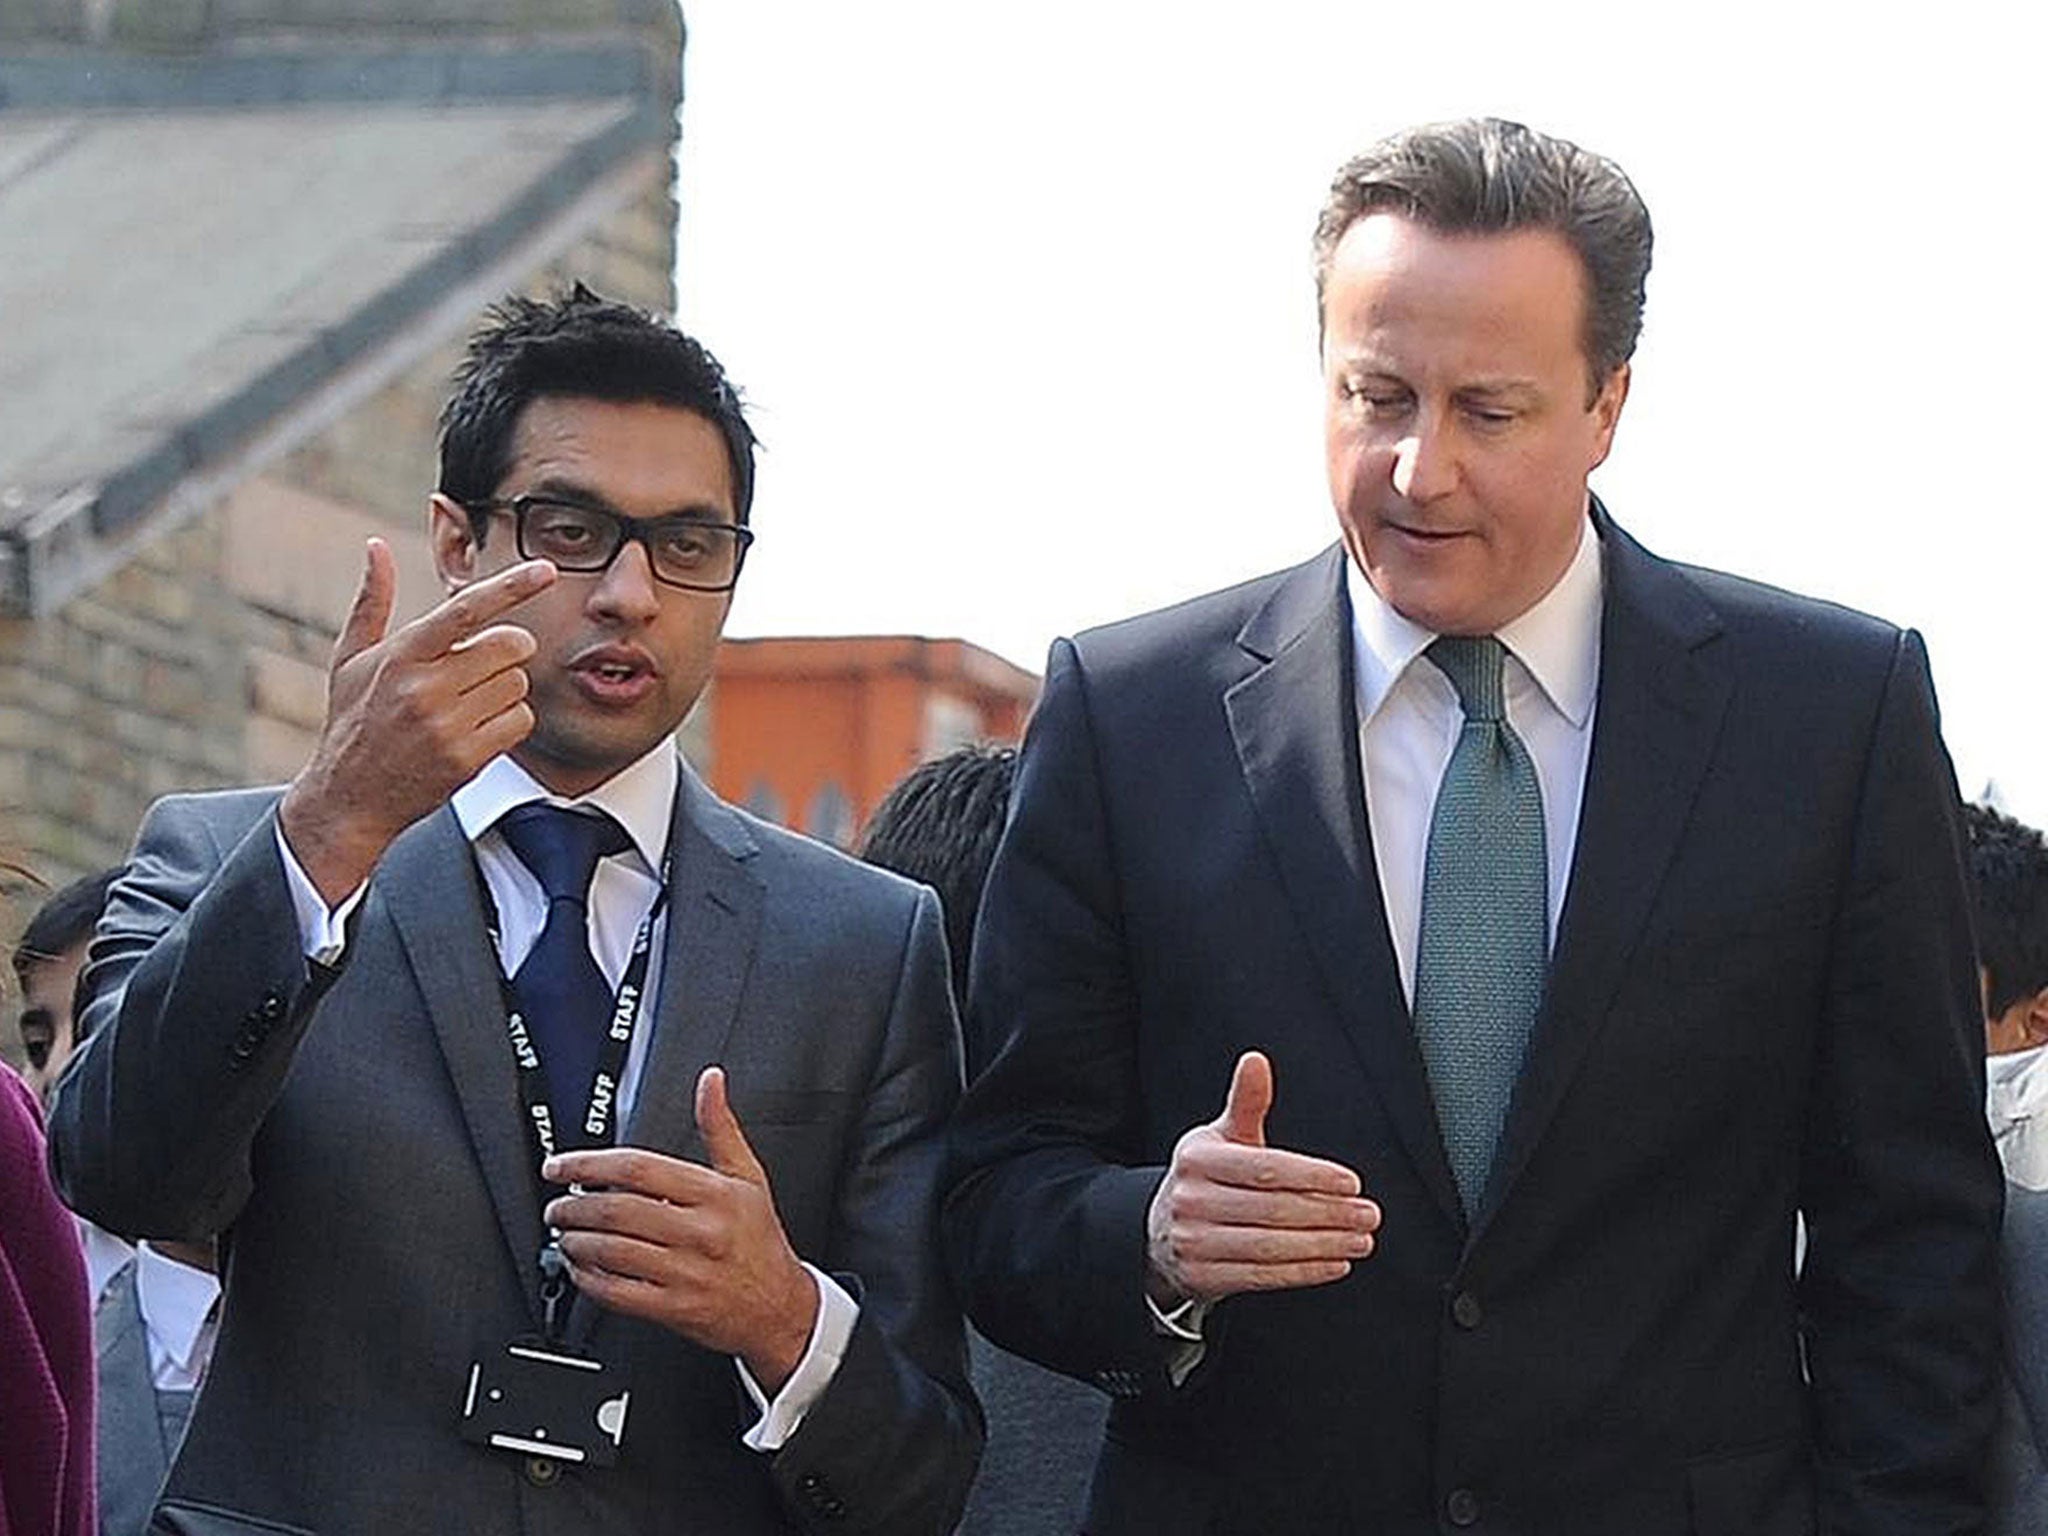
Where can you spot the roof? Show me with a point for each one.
(946, 660)
(190, 246)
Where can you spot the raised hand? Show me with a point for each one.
(410, 717)
(1234, 1214)
(699, 1250)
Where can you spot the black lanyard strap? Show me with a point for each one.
(601, 1112)
(600, 1116)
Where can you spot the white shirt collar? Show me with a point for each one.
(639, 797)
(175, 1300)
(1557, 640)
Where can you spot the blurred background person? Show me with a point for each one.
(940, 825)
(46, 1371)
(154, 1305)
(2009, 863)
(47, 959)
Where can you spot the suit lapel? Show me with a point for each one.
(1663, 691)
(1294, 722)
(428, 885)
(714, 922)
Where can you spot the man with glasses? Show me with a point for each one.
(571, 1136)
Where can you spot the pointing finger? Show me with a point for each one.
(458, 617)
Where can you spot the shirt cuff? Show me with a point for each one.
(322, 934)
(830, 1334)
(1182, 1329)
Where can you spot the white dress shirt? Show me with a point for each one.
(178, 1318)
(1409, 719)
(2016, 1103)
(622, 892)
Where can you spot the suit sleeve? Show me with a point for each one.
(892, 1443)
(1900, 1185)
(196, 993)
(1046, 1205)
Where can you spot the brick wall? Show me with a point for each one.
(202, 662)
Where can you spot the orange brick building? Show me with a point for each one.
(811, 733)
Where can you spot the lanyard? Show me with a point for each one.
(600, 1115)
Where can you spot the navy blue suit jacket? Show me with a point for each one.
(1762, 1002)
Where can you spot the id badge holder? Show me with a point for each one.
(539, 1399)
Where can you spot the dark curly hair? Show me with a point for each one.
(940, 824)
(577, 346)
(2009, 865)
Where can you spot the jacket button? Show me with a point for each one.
(541, 1471)
(1466, 1311)
(273, 1007)
(1462, 1507)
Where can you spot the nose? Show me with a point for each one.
(626, 591)
(1425, 466)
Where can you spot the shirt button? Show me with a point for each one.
(541, 1471)
(1466, 1311)
(1462, 1507)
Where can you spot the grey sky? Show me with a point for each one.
(1021, 295)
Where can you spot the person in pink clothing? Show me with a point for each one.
(46, 1356)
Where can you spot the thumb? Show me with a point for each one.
(1251, 1095)
(370, 614)
(724, 1141)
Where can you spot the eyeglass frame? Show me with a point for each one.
(632, 530)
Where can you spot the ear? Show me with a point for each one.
(2034, 1018)
(453, 541)
(1607, 414)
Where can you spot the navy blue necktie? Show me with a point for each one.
(558, 988)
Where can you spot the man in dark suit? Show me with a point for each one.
(376, 1031)
(1555, 926)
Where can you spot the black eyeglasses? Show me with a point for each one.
(698, 554)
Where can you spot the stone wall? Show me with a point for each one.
(202, 662)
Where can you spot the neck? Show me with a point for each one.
(562, 779)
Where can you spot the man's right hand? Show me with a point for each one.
(411, 717)
(1234, 1214)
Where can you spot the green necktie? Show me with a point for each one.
(1484, 942)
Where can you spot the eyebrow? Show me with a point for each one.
(554, 488)
(1500, 389)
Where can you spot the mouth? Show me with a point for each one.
(1425, 536)
(615, 674)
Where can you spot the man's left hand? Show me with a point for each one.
(696, 1249)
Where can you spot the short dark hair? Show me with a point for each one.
(577, 346)
(2009, 866)
(63, 922)
(940, 824)
(1485, 175)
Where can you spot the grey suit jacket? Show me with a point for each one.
(2020, 1466)
(139, 1426)
(355, 1137)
